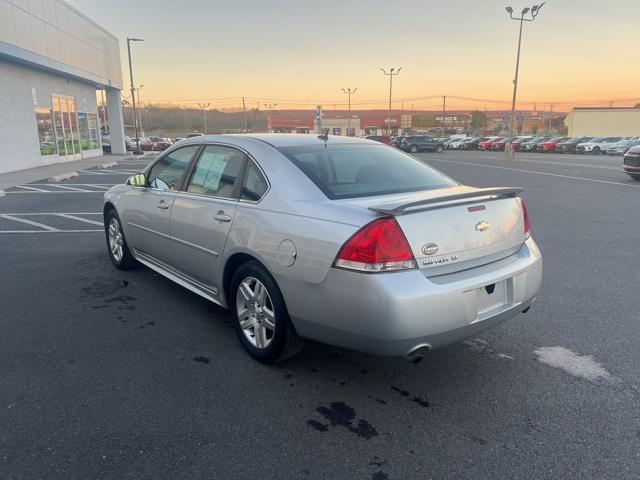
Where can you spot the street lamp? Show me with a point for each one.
(533, 13)
(137, 151)
(139, 103)
(204, 107)
(391, 74)
(349, 92)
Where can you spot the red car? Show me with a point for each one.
(550, 145)
(499, 145)
(486, 145)
(379, 138)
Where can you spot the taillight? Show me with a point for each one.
(525, 218)
(379, 246)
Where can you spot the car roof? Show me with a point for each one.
(277, 140)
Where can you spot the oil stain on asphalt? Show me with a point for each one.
(341, 414)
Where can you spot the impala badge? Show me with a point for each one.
(483, 226)
(430, 249)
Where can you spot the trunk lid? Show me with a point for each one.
(456, 228)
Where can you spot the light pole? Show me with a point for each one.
(204, 107)
(349, 92)
(137, 151)
(533, 11)
(391, 74)
(141, 110)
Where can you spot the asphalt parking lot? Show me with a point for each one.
(110, 374)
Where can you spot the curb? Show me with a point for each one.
(64, 176)
(108, 164)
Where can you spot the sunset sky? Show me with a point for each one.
(300, 53)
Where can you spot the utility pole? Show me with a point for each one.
(391, 74)
(550, 115)
(204, 107)
(534, 11)
(244, 109)
(133, 97)
(349, 92)
(444, 112)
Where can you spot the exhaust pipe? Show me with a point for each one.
(416, 355)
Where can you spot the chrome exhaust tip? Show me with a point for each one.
(416, 355)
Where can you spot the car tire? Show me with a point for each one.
(413, 149)
(439, 149)
(634, 176)
(596, 151)
(260, 315)
(117, 247)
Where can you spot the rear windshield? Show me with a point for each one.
(361, 170)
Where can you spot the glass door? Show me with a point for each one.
(66, 128)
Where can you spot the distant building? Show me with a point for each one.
(52, 61)
(603, 122)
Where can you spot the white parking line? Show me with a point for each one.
(75, 189)
(34, 189)
(533, 171)
(73, 217)
(29, 222)
(18, 217)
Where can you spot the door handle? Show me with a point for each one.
(162, 205)
(221, 217)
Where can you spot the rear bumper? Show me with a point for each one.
(395, 313)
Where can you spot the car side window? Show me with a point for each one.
(216, 172)
(254, 185)
(167, 173)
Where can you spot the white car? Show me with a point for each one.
(457, 143)
(597, 145)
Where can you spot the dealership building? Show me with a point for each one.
(53, 60)
(604, 122)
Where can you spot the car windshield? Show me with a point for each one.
(597, 140)
(351, 170)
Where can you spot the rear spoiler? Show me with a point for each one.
(399, 208)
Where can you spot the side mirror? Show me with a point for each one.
(137, 180)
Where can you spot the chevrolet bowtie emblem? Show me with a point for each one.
(483, 226)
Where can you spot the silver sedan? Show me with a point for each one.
(335, 239)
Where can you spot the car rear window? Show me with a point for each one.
(360, 170)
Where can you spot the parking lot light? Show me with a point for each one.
(137, 151)
(533, 11)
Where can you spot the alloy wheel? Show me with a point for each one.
(255, 312)
(116, 239)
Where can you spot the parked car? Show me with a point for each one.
(486, 145)
(105, 139)
(549, 145)
(457, 143)
(631, 162)
(156, 144)
(379, 138)
(569, 145)
(342, 241)
(621, 147)
(420, 143)
(472, 143)
(596, 145)
(499, 145)
(531, 145)
(397, 141)
(450, 141)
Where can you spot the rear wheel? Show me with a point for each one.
(636, 177)
(261, 319)
(117, 247)
(413, 149)
(439, 149)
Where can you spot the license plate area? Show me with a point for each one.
(491, 297)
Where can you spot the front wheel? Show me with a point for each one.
(261, 319)
(439, 149)
(413, 149)
(117, 247)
